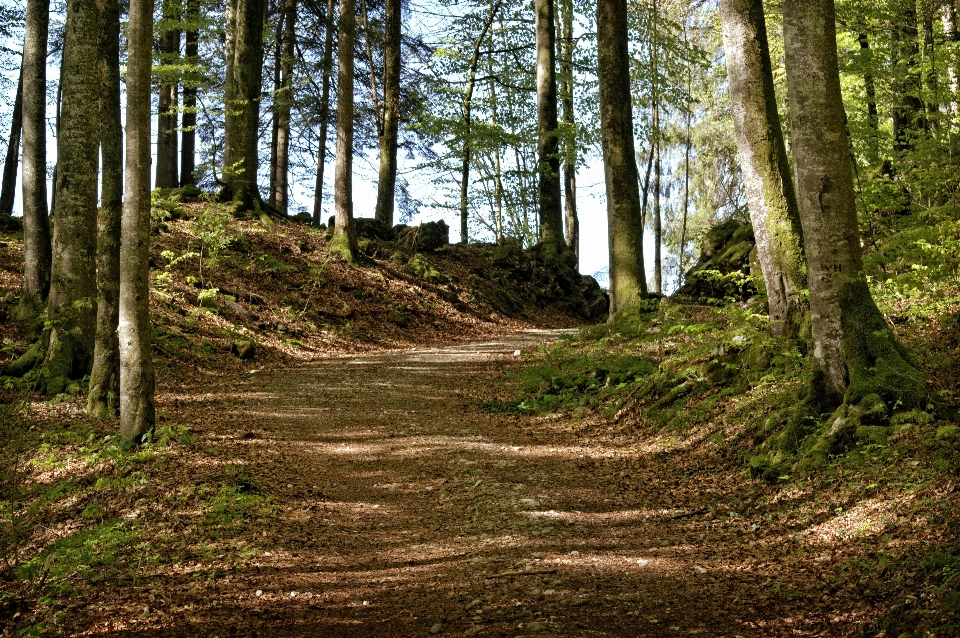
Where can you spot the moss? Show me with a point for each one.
(877, 363)
(27, 362)
(342, 247)
(66, 361)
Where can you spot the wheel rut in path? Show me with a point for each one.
(403, 509)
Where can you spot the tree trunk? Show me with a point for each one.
(387, 182)
(36, 224)
(168, 103)
(551, 212)
(628, 283)
(8, 189)
(855, 352)
(949, 20)
(241, 94)
(344, 242)
(283, 101)
(137, 384)
(275, 124)
(870, 90)
(908, 113)
(467, 110)
(497, 169)
(763, 159)
(104, 395)
(191, 81)
(931, 98)
(571, 221)
(655, 137)
(324, 114)
(73, 286)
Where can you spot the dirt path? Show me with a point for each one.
(402, 509)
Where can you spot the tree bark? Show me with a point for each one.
(169, 94)
(242, 86)
(390, 122)
(763, 159)
(36, 224)
(571, 221)
(137, 381)
(324, 114)
(283, 101)
(628, 284)
(104, 395)
(855, 352)
(191, 79)
(344, 241)
(655, 138)
(275, 125)
(73, 286)
(8, 189)
(551, 212)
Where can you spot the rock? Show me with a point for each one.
(303, 217)
(258, 593)
(237, 309)
(370, 228)
(699, 569)
(437, 628)
(427, 237)
(244, 349)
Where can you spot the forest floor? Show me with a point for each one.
(371, 495)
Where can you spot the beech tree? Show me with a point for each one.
(104, 393)
(169, 96)
(628, 283)
(71, 311)
(763, 158)
(137, 412)
(8, 185)
(858, 359)
(36, 224)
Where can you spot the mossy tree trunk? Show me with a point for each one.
(36, 224)
(104, 394)
(324, 114)
(571, 221)
(191, 81)
(390, 122)
(551, 211)
(8, 185)
(855, 352)
(763, 159)
(71, 307)
(628, 283)
(344, 241)
(137, 412)
(241, 95)
(169, 96)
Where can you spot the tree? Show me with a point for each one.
(8, 186)
(571, 221)
(858, 359)
(282, 101)
(324, 113)
(241, 96)
(70, 306)
(137, 412)
(169, 95)
(909, 119)
(36, 224)
(344, 242)
(389, 122)
(763, 158)
(104, 394)
(551, 213)
(628, 285)
(188, 138)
